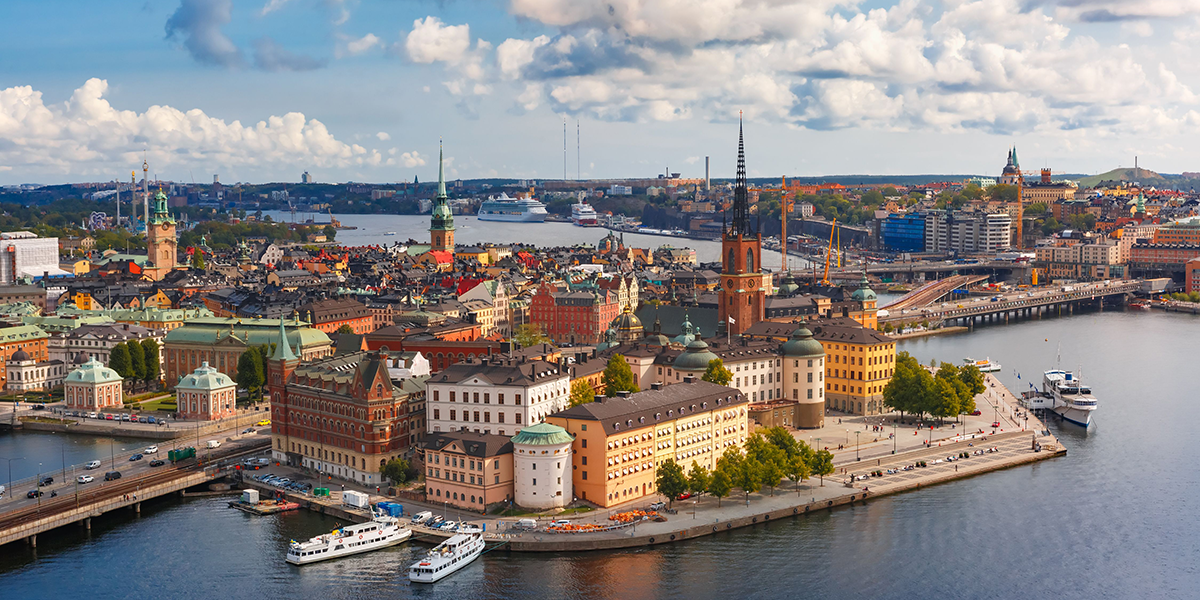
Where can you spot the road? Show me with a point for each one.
(1010, 301)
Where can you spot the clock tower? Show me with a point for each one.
(743, 288)
(441, 221)
(160, 240)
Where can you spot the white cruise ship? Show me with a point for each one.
(584, 215)
(1066, 395)
(985, 366)
(380, 532)
(507, 208)
(448, 556)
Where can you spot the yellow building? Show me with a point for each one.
(859, 364)
(620, 442)
(473, 253)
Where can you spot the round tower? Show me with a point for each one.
(542, 466)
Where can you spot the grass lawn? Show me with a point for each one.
(166, 404)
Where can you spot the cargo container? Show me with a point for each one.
(355, 499)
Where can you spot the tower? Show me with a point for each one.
(146, 192)
(441, 222)
(160, 239)
(279, 368)
(743, 286)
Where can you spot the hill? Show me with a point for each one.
(1146, 176)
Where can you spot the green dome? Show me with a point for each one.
(788, 287)
(204, 378)
(92, 372)
(695, 357)
(657, 339)
(543, 434)
(864, 291)
(802, 344)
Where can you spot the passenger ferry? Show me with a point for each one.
(448, 556)
(1064, 394)
(583, 215)
(381, 531)
(985, 366)
(507, 208)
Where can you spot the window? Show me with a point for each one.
(451, 395)
(487, 398)
(452, 417)
(584, 428)
(436, 414)
(585, 475)
(518, 415)
(500, 417)
(487, 417)
(435, 395)
(500, 399)
(584, 442)
(584, 461)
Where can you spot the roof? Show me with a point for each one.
(848, 331)
(641, 409)
(92, 371)
(802, 344)
(252, 332)
(479, 445)
(21, 333)
(205, 378)
(543, 434)
(499, 372)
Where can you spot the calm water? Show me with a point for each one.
(53, 450)
(1113, 519)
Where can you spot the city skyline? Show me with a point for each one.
(264, 90)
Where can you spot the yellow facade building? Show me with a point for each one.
(859, 364)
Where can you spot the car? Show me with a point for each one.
(124, 417)
(977, 413)
(112, 475)
(35, 494)
(142, 420)
(150, 450)
(157, 463)
(84, 479)
(45, 481)
(151, 420)
(249, 430)
(684, 496)
(433, 522)
(136, 457)
(95, 464)
(109, 417)
(561, 522)
(39, 407)
(263, 423)
(995, 423)
(656, 506)
(91, 415)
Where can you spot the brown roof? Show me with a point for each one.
(479, 445)
(847, 331)
(335, 309)
(669, 403)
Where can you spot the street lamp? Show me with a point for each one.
(894, 437)
(856, 444)
(39, 486)
(10, 471)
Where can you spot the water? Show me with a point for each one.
(51, 450)
(372, 229)
(1115, 518)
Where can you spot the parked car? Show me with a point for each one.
(249, 430)
(39, 407)
(45, 481)
(263, 423)
(84, 479)
(136, 457)
(91, 415)
(95, 464)
(658, 506)
(151, 420)
(109, 417)
(421, 517)
(112, 475)
(150, 450)
(560, 522)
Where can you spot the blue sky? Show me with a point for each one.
(261, 90)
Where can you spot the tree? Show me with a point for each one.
(698, 478)
(119, 361)
(670, 480)
(945, 399)
(250, 370)
(717, 373)
(797, 470)
(530, 334)
(582, 392)
(889, 191)
(1050, 226)
(151, 354)
(1003, 192)
(908, 390)
(344, 328)
(137, 359)
(198, 259)
(822, 464)
(1036, 209)
(771, 473)
(973, 380)
(719, 485)
(743, 471)
(396, 470)
(618, 376)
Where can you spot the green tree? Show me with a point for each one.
(797, 470)
(618, 376)
(1003, 192)
(198, 259)
(972, 378)
(670, 480)
(1036, 209)
(530, 334)
(137, 359)
(945, 399)
(582, 392)
(119, 361)
(908, 390)
(822, 464)
(889, 191)
(151, 354)
(719, 485)
(1050, 226)
(717, 373)
(344, 328)
(330, 232)
(772, 473)
(250, 370)
(698, 478)
(396, 470)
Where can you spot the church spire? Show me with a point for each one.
(283, 349)
(741, 208)
(441, 193)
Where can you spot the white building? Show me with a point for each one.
(23, 374)
(206, 394)
(24, 253)
(499, 396)
(967, 232)
(97, 341)
(542, 466)
(406, 365)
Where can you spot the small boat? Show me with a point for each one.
(1140, 305)
(985, 366)
(381, 531)
(390, 233)
(449, 556)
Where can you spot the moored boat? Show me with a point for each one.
(449, 556)
(506, 208)
(985, 366)
(584, 215)
(381, 531)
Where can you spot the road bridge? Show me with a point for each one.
(998, 270)
(1024, 303)
(934, 291)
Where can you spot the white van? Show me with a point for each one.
(211, 444)
(421, 517)
(525, 524)
(95, 464)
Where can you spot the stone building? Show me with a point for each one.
(206, 394)
(468, 470)
(93, 386)
(542, 466)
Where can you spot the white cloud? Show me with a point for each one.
(87, 135)
(272, 6)
(431, 40)
(383, 136)
(354, 46)
(412, 159)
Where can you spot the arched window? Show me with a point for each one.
(750, 260)
(729, 268)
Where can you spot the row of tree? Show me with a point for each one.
(949, 393)
(768, 457)
(134, 360)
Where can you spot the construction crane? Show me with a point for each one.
(829, 253)
(785, 209)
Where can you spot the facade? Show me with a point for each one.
(804, 378)
(28, 338)
(493, 293)
(542, 466)
(903, 232)
(468, 470)
(341, 416)
(24, 254)
(331, 314)
(220, 341)
(35, 295)
(1161, 257)
(967, 232)
(161, 245)
(620, 442)
(206, 395)
(23, 374)
(774, 413)
(93, 386)
(1186, 231)
(496, 395)
(574, 317)
(743, 288)
(441, 220)
(98, 340)
(1191, 276)
(859, 364)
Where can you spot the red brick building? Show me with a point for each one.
(574, 317)
(329, 315)
(1161, 256)
(743, 288)
(1191, 272)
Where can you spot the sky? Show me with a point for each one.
(363, 90)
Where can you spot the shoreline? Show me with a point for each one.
(929, 332)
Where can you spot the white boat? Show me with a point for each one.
(380, 532)
(584, 215)
(985, 366)
(390, 233)
(1064, 394)
(506, 208)
(448, 556)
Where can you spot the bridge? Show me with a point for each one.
(25, 520)
(934, 291)
(1024, 303)
(998, 270)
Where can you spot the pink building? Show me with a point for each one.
(206, 394)
(93, 386)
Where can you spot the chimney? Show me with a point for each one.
(623, 394)
(598, 398)
(657, 385)
(689, 379)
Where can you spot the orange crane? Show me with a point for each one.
(829, 253)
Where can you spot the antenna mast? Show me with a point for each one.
(564, 149)
(578, 161)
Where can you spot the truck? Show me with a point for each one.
(1068, 289)
(212, 444)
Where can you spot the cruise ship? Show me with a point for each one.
(380, 532)
(507, 208)
(584, 215)
(1066, 395)
(448, 556)
(985, 366)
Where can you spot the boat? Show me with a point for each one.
(390, 233)
(583, 215)
(507, 208)
(1140, 305)
(985, 366)
(381, 531)
(1064, 394)
(448, 556)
